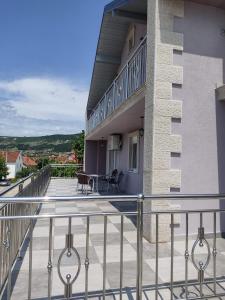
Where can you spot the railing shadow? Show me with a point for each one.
(148, 293)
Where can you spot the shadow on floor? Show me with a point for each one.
(124, 206)
(149, 293)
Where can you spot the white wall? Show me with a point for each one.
(11, 170)
(19, 163)
(14, 168)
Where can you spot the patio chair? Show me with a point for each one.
(115, 182)
(84, 181)
(108, 178)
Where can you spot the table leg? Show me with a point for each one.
(94, 184)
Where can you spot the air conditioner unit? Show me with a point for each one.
(114, 142)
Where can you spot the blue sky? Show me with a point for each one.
(46, 60)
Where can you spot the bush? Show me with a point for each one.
(25, 172)
(69, 171)
(3, 168)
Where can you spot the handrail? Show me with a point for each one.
(112, 198)
(13, 235)
(15, 185)
(5, 191)
(21, 181)
(66, 165)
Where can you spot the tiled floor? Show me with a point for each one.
(59, 187)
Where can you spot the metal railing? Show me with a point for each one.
(65, 170)
(130, 79)
(182, 289)
(12, 234)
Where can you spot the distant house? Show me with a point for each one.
(72, 157)
(67, 158)
(28, 162)
(14, 162)
(62, 159)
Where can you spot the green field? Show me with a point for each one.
(49, 143)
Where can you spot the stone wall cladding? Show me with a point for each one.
(166, 108)
(160, 109)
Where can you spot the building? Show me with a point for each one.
(28, 162)
(14, 162)
(156, 106)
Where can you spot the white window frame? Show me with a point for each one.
(115, 160)
(130, 136)
(131, 38)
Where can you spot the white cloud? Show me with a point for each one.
(41, 106)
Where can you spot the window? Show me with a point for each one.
(133, 152)
(112, 162)
(131, 38)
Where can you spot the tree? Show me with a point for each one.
(42, 162)
(3, 168)
(24, 172)
(78, 146)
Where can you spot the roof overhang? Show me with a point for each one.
(117, 17)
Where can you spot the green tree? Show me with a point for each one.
(42, 162)
(78, 146)
(25, 172)
(3, 168)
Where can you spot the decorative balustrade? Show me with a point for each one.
(131, 78)
(198, 260)
(12, 234)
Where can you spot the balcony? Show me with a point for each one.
(64, 245)
(131, 78)
(220, 93)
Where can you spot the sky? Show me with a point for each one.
(46, 58)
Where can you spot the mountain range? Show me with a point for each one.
(48, 143)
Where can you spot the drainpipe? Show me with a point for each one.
(97, 167)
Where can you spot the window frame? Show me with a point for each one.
(131, 136)
(114, 153)
(131, 38)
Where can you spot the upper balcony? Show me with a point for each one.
(130, 79)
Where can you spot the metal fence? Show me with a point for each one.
(14, 232)
(206, 287)
(65, 170)
(131, 78)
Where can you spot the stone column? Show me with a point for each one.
(161, 110)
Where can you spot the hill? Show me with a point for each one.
(49, 143)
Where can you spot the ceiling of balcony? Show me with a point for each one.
(216, 3)
(117, 17)
(120, 123)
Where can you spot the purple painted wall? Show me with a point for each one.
(140, 32)
(95, 163)
(202, 161)
(91, 148)
(101, 157)
(132, 182)
(95, 157)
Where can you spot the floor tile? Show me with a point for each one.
(113, 253)
(179, 268)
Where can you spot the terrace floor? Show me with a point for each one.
(67, 187)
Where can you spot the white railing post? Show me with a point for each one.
(140, 200)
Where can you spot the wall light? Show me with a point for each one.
(141, 130)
